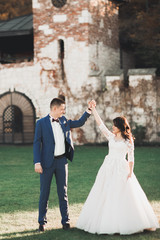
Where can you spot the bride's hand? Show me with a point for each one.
(129, 176)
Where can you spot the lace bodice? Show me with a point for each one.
(118, 149)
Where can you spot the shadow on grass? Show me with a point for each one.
(76, 234)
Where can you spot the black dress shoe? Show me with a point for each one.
(41, 228)
(66, 226)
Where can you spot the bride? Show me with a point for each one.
(116, 202)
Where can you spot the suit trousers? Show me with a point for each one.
(60, 170)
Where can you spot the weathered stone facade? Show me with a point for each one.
(75, 47)
(139, 102)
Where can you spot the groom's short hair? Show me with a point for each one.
(56, 102)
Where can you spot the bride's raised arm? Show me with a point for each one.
(101, 125)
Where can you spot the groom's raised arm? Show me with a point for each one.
(80, 122)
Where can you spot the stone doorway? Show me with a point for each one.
(17, 118)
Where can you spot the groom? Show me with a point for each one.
(52, 147)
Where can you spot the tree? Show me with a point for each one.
(14, 8)
(140, 31)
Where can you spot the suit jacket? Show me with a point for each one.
(44, 143)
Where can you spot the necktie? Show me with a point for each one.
(55, 120)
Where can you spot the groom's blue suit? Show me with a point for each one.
(43, 147)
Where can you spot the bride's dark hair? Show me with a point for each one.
(122, 124)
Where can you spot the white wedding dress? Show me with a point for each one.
(115, 204)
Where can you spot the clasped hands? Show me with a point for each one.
(92, 104)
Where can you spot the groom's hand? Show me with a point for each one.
(89, 110)
(38, 168)
(89, 105)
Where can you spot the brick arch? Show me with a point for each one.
(21, 101)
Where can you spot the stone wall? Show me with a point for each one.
(139, 102)
(103, 38)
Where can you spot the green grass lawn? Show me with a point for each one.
(19, 185)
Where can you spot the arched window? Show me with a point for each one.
(17, 118)
(61, 56)
(97, 49)
(61, 49)
(12, 120)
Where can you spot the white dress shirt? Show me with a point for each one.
(58, 137)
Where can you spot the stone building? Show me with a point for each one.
(76, 53)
